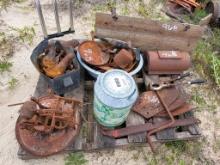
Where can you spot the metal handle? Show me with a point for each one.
(56, 14)
(198, 81)
(41, 17)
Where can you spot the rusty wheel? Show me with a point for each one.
(37, 140)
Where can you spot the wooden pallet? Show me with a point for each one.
(90, 137)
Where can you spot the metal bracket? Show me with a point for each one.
(56, 14)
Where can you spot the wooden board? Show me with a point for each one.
(149, 34)
(90, 137)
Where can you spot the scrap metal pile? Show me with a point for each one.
(105, 55)
(165, 97)
(189, 5)
(58, 58)
(48, 124)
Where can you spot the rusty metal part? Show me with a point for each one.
(92, 53)
(53, 69)
(57, 58)
(124, 58)
(148, 103)
(213, 7)
(162, 127)
(122, 132)
(187, 4)
(69, 44)
(43, 132)
(183, 109)
(167, 62)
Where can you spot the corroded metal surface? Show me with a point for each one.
(124, 59)
(167, 62)
(122, 132)
(92, 53)
(48, 130)
(58, 58)
(148, 103)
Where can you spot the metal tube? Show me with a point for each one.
(71, 14)
(56, 16)
(41, 17)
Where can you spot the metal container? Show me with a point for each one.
(94, 73)
(167, 62)
(114, 95)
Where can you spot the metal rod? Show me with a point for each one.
(41, 17)
(171, 122)
(56, 16)
(71, 14)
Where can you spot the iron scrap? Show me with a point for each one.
(104, 55)
(130, 130)
(48, 124)
(189, 5)
(148, 104)
(167, 62)
(58, 58)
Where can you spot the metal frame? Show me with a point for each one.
(56, 14)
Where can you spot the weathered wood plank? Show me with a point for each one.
(135, 119)
(148, 34)
(166, 134)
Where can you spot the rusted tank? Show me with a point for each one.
(167, 62)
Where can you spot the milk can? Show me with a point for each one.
(114, 95)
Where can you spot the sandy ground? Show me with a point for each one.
(20, 15)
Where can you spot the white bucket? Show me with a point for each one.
(114, 95)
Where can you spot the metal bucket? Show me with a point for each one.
(114, 95)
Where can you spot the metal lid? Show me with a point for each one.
(117, 83)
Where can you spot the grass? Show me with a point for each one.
(13, 83)
(205, 58)
(75, 159)
(25, 34)
(4, 4)
(198, 99)
(6, 46)
(5, 66)
(196, 16)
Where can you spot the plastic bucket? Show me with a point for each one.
(63, 83)
(114, 94)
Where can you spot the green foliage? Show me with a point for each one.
(198, 99)
(5, 66)
(179, 146)
(6, 46)
(25, 34)
(206, 58)
(197, 15)
(143, 10)
(12, 83)
(4, 4)
(75, 159)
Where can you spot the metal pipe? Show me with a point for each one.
(71, 14)
(56, 16)
(41, 17)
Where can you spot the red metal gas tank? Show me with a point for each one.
(167, 62)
